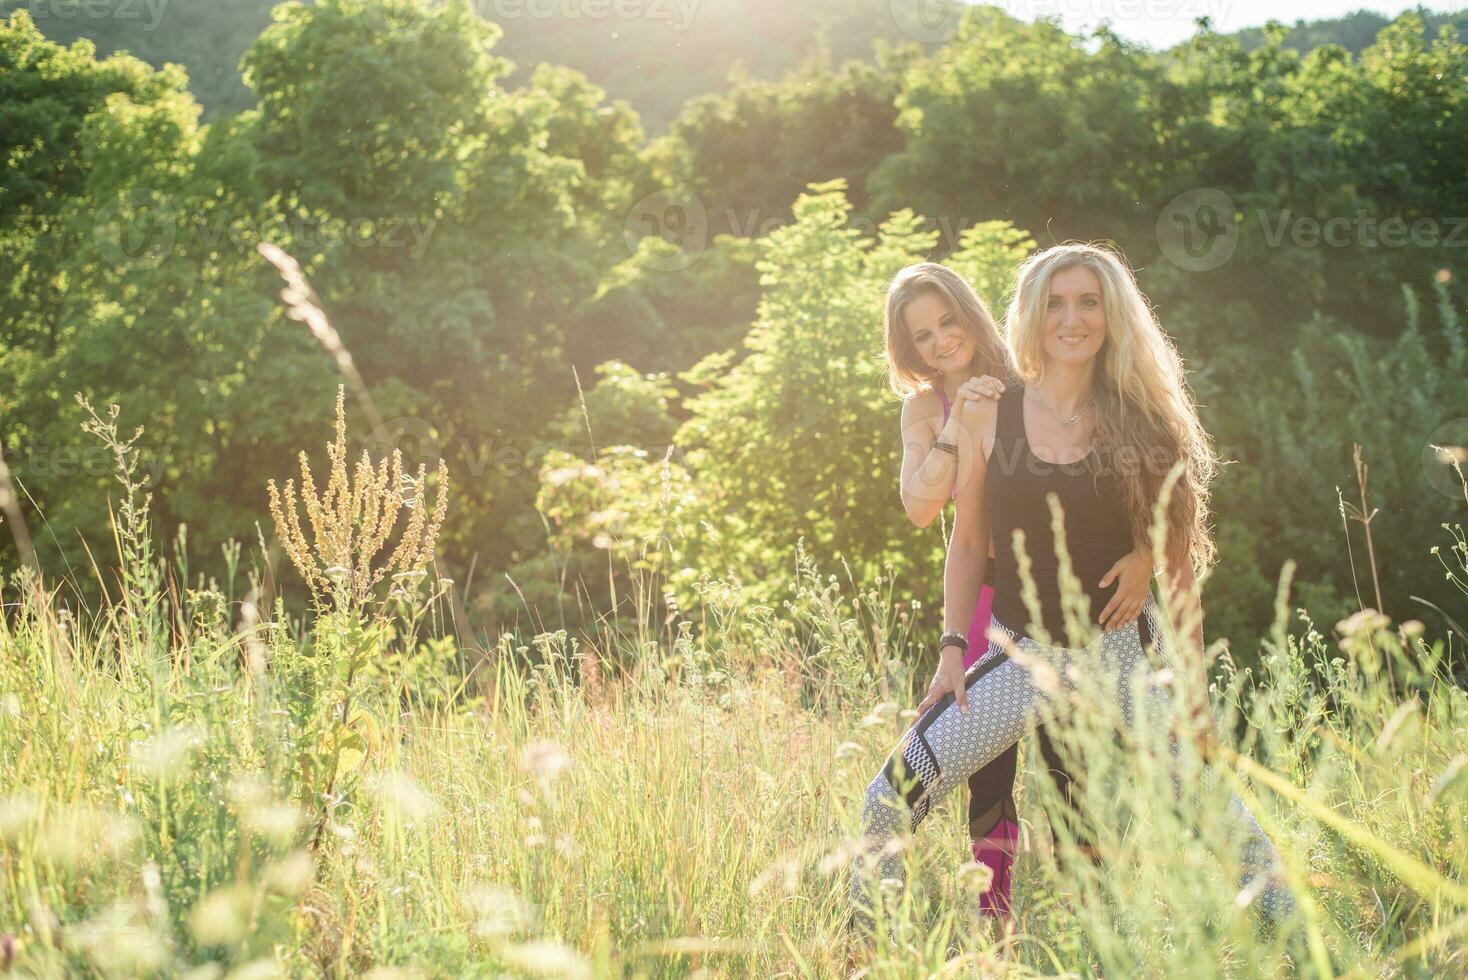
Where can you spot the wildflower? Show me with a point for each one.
(545, 958)
(1449, 776)
(404, 799)
(291, 874)
(160, 755)
(264, 816)
(1042, 674)
(975, 877)
(18, 814)
(839, 859)
(352, 519)
(81, 835)
(1395, 722)
(545, 759)
(1367, 620)
(222, 917)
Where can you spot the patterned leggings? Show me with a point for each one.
(993, 820)
(944, 746)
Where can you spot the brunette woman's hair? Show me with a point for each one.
(907, 372)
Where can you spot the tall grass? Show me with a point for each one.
(192, 782)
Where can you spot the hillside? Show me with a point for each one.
(656, 62)
(1354, 31)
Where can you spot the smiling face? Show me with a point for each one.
(938, 336)
(1075, 324)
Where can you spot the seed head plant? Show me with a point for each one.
(344, 554)
(351, 521)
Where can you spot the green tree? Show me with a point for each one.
(795, 436)
(433, 210)
(662, 311)
(1029, 124)
(1292, 451)
(747, 155)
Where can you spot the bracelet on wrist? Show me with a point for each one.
(952, 638)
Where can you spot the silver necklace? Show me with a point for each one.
(1045, 403)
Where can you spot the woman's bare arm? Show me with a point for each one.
(968, 547)
(927, 473)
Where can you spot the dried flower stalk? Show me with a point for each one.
(352, 519)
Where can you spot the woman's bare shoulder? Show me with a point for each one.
(921, 406)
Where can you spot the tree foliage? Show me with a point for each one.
(484, 235)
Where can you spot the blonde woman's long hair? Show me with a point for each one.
(907, 372)
(1146, 420)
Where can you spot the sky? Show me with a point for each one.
(1161, 23)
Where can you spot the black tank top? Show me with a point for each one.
(1098, 530)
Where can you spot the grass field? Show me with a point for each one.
(194, 783)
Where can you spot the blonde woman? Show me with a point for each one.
(1100, 414)
(943, 346)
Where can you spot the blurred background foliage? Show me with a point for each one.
(626, 277)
